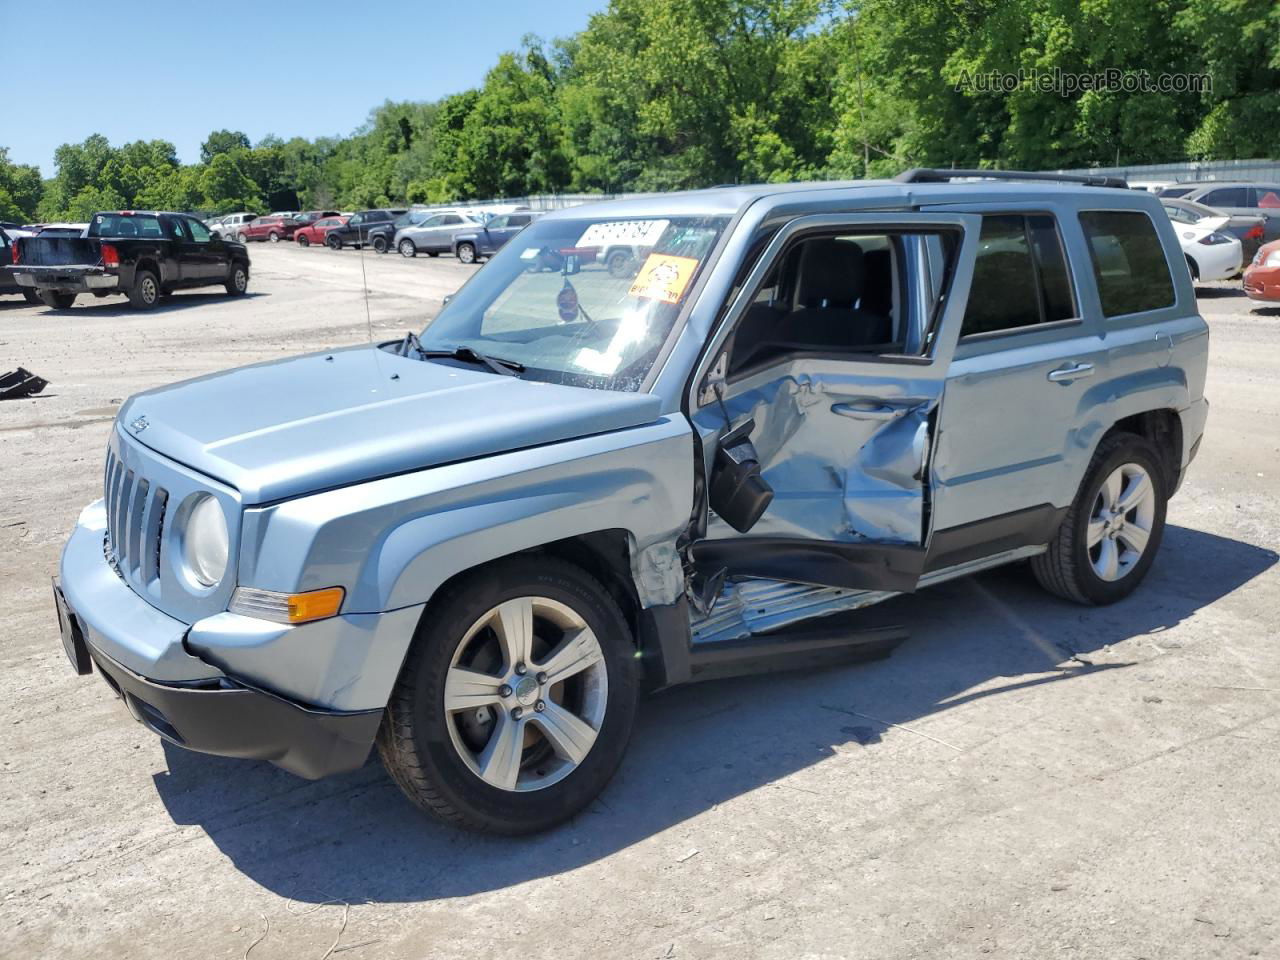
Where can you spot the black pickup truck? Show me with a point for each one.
(143, 255)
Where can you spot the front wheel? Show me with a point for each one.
(334, 243)
(1112, 531)
(243, 237)
(237, 280)
(467, 252)
(30, 295)
(407, 249)
(517, 699)
(379, 244)
(56, 300)
(303, 240)
(273, 237)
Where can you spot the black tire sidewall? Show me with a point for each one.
(471, 256)
(303, 241)
(1133, 449)
(379, 245)
(135, 295)
(500, 810)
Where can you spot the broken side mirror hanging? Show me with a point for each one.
(739, 493)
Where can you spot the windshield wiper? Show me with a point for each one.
(508, 368)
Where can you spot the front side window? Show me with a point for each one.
(1020, 276)
(847, 294)
(1128, 262)
(198, 231)
(497, 223)
(1226, 197)
(548, 301)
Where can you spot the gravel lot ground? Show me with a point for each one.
(1022, 778)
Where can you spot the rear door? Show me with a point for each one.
(186, 266)
(838, 348)
(1017, 414)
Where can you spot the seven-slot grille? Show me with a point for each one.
(135, 521)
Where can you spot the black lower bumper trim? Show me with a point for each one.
(233, 720)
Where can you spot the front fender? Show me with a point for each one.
(392, 542)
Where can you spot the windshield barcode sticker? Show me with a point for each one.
(636, 233)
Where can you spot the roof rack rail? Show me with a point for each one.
(931, 175)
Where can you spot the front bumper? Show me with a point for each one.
(1262, 284)
(143, 654)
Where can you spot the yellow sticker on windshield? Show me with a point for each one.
(664, 277)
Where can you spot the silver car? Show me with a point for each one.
(477, 546)
(434, 235)
(232, 225)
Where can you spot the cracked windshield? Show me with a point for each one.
(586, 302)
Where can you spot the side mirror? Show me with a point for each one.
(738, 493)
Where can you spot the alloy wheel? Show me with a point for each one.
(525, 694)
(1121, 521)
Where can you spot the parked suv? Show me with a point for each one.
(232, 225)
(359, 228)
(434, 235)
(273, 228)
(1250, 199)
(486, 239)
(476, 546)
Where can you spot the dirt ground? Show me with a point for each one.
(1023, 778)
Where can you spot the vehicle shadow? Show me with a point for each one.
(356, 838)
(119, 307)
(1218, 293)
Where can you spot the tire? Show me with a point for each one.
(238, 279)
(1195, 270)
(332, 242)
(273, 237)
(145, 292)
(436, 756)
(379, 244)
(302, 240)
(1111, 567)
(30, 295)
(407, 249)
(619, 264)
(467, 252)
(242, 238)
(56, 300)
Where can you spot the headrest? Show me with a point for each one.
(831, 274)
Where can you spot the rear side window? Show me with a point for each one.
(1227, 197)
(452, 219)
(1020, 276)
(518, 220)
(1267, 198)
(1128, 262)
(118, 225)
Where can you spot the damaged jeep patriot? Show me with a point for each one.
(476, 546)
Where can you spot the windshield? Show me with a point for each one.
(121, 225)
(581, 302)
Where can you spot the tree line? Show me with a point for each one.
(670, 94)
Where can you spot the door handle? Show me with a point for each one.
(866, 410)
(1072, 371)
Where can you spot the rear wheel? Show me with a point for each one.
(303, 241)
(237, 279)
(30, 295)
(273, 237)
(1195, 270)
(407, 249)
(516, 701)
(380, 244)
(56, 300)
(1112, 531)
(467, 252)
(334, 243)
(145, 292)
(243, 238)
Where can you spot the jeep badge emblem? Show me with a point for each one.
(140, 424)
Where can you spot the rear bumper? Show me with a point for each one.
(64, 280)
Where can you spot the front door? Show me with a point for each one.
(209, 254)
(838, 350)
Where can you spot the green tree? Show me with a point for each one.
(20, 189)
(222, 141)
(226, 188)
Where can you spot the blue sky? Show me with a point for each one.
(177, 70)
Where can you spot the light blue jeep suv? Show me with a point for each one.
(477, 546)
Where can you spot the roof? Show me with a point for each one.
(726, 201)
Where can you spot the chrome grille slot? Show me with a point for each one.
(135, 521)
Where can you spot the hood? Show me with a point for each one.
(281, 429)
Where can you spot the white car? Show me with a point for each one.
(1211, 252)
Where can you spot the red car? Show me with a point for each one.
(315, 232)
(1262, 276)
(274, 229)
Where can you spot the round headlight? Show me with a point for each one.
(204, 541)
